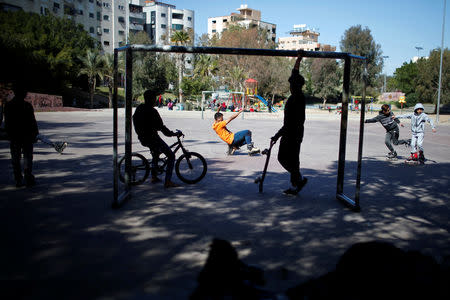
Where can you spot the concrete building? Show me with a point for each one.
(163, 19)
(108, 21)
(305, 38)
(246, 17)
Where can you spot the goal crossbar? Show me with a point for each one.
(129, 49)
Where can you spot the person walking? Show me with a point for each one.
(22, 130)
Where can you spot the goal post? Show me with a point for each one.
(119, 198)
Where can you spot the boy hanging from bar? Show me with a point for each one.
(292, 131)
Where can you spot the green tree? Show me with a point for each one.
(405, 78)
(108, 72)
(359, 41)
(326, 79)
(180, 38)
(235, 78)
(43, 48)
(92, 67)
(260, 68)
(428, 77)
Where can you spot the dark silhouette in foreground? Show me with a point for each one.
(224, 276)
(370, 270)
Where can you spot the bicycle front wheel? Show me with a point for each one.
(139, 169)
(191, 167)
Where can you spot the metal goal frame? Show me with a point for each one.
(119, 199)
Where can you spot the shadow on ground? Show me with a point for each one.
(64, 239)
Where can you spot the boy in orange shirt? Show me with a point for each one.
(234, 140)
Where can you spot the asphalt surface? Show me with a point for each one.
(61, 239)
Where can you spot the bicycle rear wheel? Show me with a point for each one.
(139, 169)
(191, 167)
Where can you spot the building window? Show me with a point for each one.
(121, 19)
(105, 4)
(177, 26)
(105, 30)
(80, 12)
(121, 32)
(177, 16)
(224, 20)
(56, 5)
(189, 19)
(91, 1)
(105, 18)
(152, 17)
(214, 31)
(163, 15)
(163, 26)
(99, 16)
(214, 21)
(91, 30)
(106, 43)
(44, 10)
(121, 7)
(91, 15)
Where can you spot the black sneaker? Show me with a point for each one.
(60, 146)
(19, 183)
(392, 155)
(30, 180)
(298, 188)
(231, 150)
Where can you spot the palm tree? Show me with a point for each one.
(236, 77)
(92, 66)
(108, 73)
(206, 66)
(180, 38)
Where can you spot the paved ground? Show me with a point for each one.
(63, 240)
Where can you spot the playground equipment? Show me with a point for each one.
(231, 98)
(251, 92)
(130, 49)
(356, 101)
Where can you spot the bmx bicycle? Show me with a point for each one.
(190, 167)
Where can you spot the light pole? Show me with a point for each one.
(384, 86)
(440, 68)
(418, 49)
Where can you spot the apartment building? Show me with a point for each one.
(246, 17)
(304, 38)
(108, 21)
(163, 19)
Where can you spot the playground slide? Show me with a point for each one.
(265, 102)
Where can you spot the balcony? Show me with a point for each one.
(137, 15)
(136, 27)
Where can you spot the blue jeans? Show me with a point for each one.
(241, 138)
(158, 146)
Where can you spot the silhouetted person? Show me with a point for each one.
(147, 122)
(378, 270)
(22, 130)
(292, 131)
(225, 276)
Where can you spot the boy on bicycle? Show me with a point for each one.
(147, 122)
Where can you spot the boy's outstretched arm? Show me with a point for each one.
(234, 116)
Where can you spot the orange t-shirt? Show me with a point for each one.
(221, 129)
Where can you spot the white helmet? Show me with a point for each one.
(417, 106)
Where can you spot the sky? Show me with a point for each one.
(398, 26)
